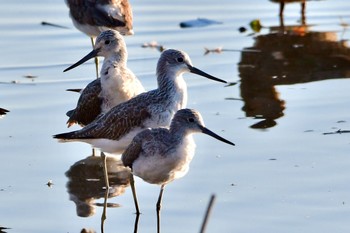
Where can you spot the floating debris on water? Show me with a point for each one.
(220, 50)
(216, 50)
(343, 23)
(29, 76)
(200, 22)
(255, 25)
(154, 45)
(233, 98)
(49, 183)
(3, 111)
(2, 229)
(242, 29)
(339, 131)
(109, 205)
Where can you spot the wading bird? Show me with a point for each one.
(117, 83)
(113, 131)
(95, 16)
(161, 155)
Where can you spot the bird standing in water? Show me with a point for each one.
(116, 85)
(161, 155)
(113, 131)
(95, 16)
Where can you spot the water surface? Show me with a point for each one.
(284, 175)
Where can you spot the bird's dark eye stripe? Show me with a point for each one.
(107, 41)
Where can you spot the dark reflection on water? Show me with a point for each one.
(86, 183)
(288, 55)
(282, 4)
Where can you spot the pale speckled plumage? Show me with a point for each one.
(95, 16)
(116, 85)
(148, 110)
(118, 82)
(88, 105)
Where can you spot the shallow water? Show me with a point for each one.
(284, 175)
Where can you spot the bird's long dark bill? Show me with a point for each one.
(214, 135)
(201, 73)
(92, 54)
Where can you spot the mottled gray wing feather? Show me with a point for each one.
(102, 18)
(134, 149)
(149, 142)
(120, 120)
(88, 106)
(80, 11)
(87, 12)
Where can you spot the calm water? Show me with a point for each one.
(284, 175)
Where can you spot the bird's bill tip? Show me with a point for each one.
(90, 55)
(202, 73)
(214, 135)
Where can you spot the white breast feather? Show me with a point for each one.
(158, 169)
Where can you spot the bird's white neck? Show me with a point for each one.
(175, 86)
(118, 84)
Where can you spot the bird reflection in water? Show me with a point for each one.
(283, 3)
(86, 183)
(288, 55)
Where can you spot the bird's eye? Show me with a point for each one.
(107, 41)
(179, 59)
(190, 119)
